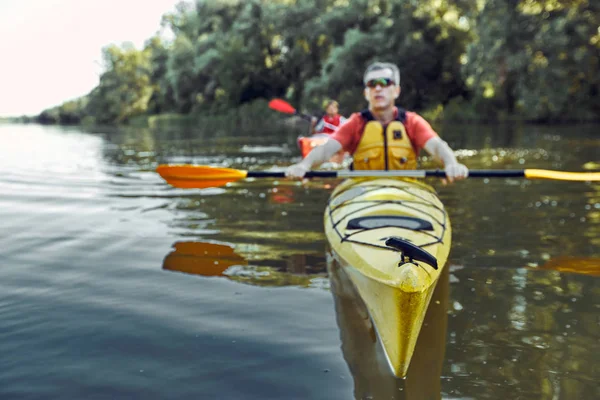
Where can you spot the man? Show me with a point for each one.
(330, 121)
(383, 137)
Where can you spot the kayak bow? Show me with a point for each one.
(392, 237)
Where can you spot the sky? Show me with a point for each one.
(51, 50)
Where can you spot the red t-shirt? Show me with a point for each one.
(418, 130)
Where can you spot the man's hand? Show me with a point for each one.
(441, 152)
(316, 157)
(456, 171)
(297, 170)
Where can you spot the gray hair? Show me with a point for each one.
(383, 65)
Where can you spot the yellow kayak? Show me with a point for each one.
(392, 237)
(364, 356)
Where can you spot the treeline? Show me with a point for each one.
(21, 119)
(534, 60)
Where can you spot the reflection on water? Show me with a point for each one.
(362, 351)
(359, 343)
(573, 265)
(207, 259)
(218, 259)
(532, 329)
(92, 235)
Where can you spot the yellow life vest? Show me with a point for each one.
(384, 148)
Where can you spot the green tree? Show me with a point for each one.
(424, 39)
(125, 87)
(535, 58)
(163, 98)
(531, 59)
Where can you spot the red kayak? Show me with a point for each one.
(307, 143)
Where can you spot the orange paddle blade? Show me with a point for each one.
(198, 176)
(200, 258)
(282, 106)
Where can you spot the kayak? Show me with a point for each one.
(364, 356)
(307, 143)
(392, 238)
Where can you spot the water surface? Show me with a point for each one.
(115, 285)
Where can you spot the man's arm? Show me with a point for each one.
(441, 152)
(319, 126)
(342, 138)
(316, 157)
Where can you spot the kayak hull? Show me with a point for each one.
(396, 282)
(364, 356)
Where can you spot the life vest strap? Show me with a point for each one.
(368, 116)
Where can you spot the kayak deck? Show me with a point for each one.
(393, 238)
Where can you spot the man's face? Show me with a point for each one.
(381, 91)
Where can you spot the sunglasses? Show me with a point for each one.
(383, 82)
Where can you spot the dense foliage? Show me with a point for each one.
(535, 60)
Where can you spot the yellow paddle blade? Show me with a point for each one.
(199, 258)
(562, 176)
(198, 176)
(574, 265)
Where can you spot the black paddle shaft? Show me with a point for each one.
(281, 174)
(482, 173)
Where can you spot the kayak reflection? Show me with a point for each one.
(362, 351)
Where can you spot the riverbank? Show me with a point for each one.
(257, 116)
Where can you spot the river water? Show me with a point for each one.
(114, 285)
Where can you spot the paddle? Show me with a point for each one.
(575, 265)
(202, 176)
(201, 258)
(286, 108)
